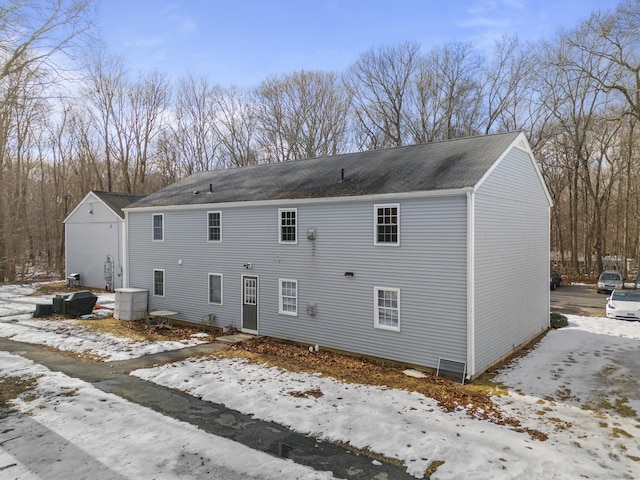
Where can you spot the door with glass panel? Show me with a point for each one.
(250, 304)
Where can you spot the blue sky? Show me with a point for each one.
(241, 42)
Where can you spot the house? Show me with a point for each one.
(94, 239)
(411, 254)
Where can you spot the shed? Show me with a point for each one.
(413, 254)
(94, 239)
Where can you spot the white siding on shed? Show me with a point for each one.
(93, 231)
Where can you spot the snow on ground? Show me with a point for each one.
(70, 429)
(579, 386)
(591, 361)
(16, 323)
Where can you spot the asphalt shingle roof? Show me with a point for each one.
(445, 165)
(117, 201)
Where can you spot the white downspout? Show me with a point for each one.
(471, 348)
(125, 251)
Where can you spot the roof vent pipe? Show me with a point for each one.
(342, 175)
(211, 188)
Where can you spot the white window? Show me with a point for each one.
(214, 226)
(158, 227)
(288, 225)
(158, 283)
(288, 291)
(387, 224)
(215, 288)
(387, 308)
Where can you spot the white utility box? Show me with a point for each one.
(131, 303)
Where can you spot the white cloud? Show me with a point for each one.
(188, 25)
(146, 42)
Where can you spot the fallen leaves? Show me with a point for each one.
(450, 396)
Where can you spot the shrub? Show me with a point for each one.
(558, 320)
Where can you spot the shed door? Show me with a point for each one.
(250, 304)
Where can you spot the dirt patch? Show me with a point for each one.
(11, 388)
(136, 330)
(139, 330)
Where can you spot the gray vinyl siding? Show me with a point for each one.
(429, 267)
(515, 178)
(511, 259)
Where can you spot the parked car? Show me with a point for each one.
(624, 305)
(609, 280)
(555, 279)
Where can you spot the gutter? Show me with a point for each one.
(125, 252)
(302, 201)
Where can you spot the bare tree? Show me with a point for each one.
(128, 116)
(236, 125)
(378, 83)
(446, 98)
(191, 136)
(611, 42)
(105, 92)
(301, 115)
(32, 35)
(580, 106)
(507, 79)
(148, 100)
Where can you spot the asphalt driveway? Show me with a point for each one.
(578, 299)
(269, 437)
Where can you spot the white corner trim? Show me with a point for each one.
(471, 341)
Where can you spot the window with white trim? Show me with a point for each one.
(387, 224)
(288, 225)
(214, 226)
(387, 308)
(158, 227)
(215, 288)
(288, 292)
(158, 283)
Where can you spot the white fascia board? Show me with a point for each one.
(301, 201)
(86, 197)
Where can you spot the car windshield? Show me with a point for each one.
(626, 296)
(610, 276)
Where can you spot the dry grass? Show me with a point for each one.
(139, 330)
(60, 288)
(11, 388)
(136, 330)
(475, 399)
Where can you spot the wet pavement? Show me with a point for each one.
(269, 437)
(578, 300)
